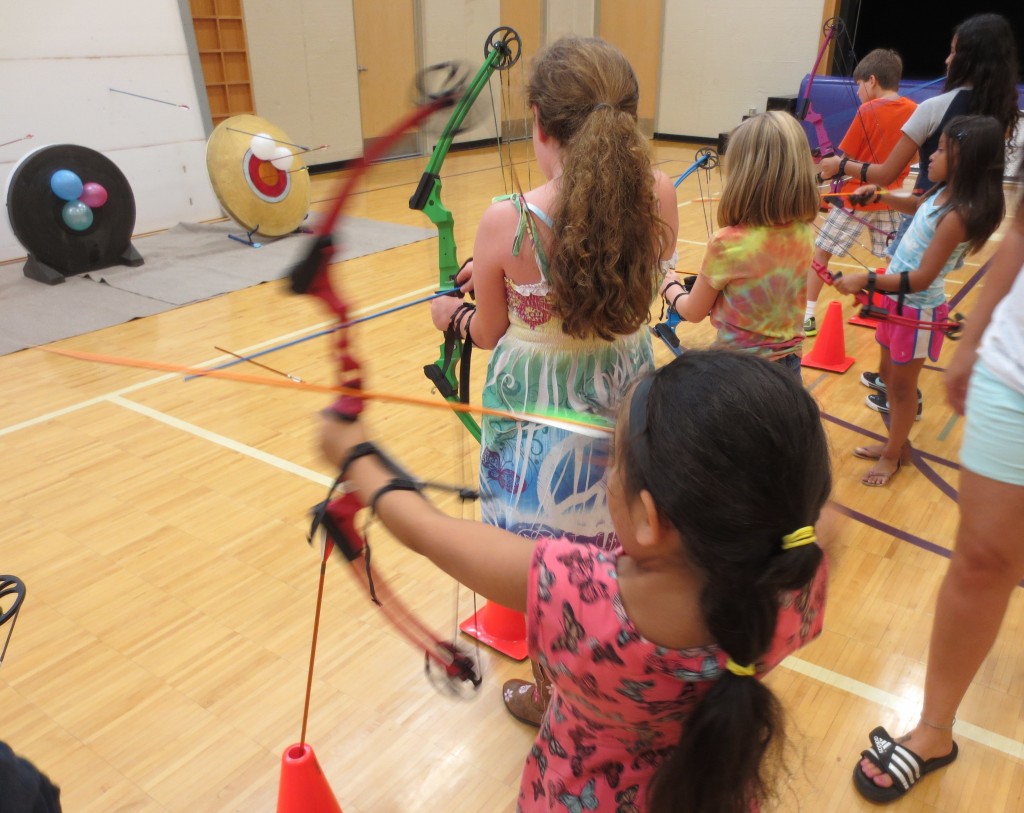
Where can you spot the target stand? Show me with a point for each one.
(88, 228)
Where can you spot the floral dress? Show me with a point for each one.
(538, 480)
(619, 701)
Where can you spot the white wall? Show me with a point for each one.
(720, 61)
(457, 29)
(59, 60)
(302, 60)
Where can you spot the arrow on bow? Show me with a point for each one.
(502, 50)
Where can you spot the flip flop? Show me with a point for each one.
(904, 766)
(887, 478)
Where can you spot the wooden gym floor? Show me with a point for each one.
(159, 662)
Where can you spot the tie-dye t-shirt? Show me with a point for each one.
(761, 272)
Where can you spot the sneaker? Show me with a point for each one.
(810, 327)
(874, 380)
(878, 402)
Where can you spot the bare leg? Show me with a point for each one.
(814, 282)
(901, 392)
(987, 565)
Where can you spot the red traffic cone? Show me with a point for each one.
(304, 787)
(829, 351)
(500, 628)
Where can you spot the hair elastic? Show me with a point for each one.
(600, 105)
(740, 671)
(801, 536)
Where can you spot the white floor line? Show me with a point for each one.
(873, 694)
(49, 416)
(822, 675)
(226, 442)
(880, 697)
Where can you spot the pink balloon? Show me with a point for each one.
(93, 194)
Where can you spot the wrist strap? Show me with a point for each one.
(461, 317)
(359, 450)
(864, 172)
(842, 166)
(904, 290)
(669, 288)
(396, 484)
(677, 297)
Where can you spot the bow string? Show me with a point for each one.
(336, 516)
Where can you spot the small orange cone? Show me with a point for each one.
(500, 628)
(829, 351)
(304, 787)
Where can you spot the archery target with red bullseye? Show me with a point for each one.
(267, 192)
(71, 208)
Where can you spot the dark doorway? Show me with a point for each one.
(919, 32)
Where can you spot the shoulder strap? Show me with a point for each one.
(526, 211)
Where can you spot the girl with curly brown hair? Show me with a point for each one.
(565, 276)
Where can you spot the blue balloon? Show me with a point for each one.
(77, 215)
(65, 184)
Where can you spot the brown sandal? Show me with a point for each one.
(520, 698)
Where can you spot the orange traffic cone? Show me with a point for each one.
(829, 351)
(500, 628)
(304, 787)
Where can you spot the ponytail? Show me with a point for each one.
(607, 238)
(736, 485)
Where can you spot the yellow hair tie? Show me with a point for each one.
(801, 536)
(740, 671)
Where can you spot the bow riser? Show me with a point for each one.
(502, 51)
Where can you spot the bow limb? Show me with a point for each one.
(502, 50)
(336, 516)
(951, 327)
(312, 276)
(805, 110)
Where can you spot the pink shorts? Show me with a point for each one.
(907, 343)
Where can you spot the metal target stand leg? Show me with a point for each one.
(247, 240)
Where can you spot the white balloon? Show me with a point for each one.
(263, 146)
(283, 159)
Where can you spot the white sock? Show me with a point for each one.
(809, 313)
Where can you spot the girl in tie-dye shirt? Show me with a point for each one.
(753, 278)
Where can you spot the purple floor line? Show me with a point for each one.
(892, 530)
(934, 458)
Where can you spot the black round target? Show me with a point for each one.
(36, 216)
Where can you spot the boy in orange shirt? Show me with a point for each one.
(873, 133)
